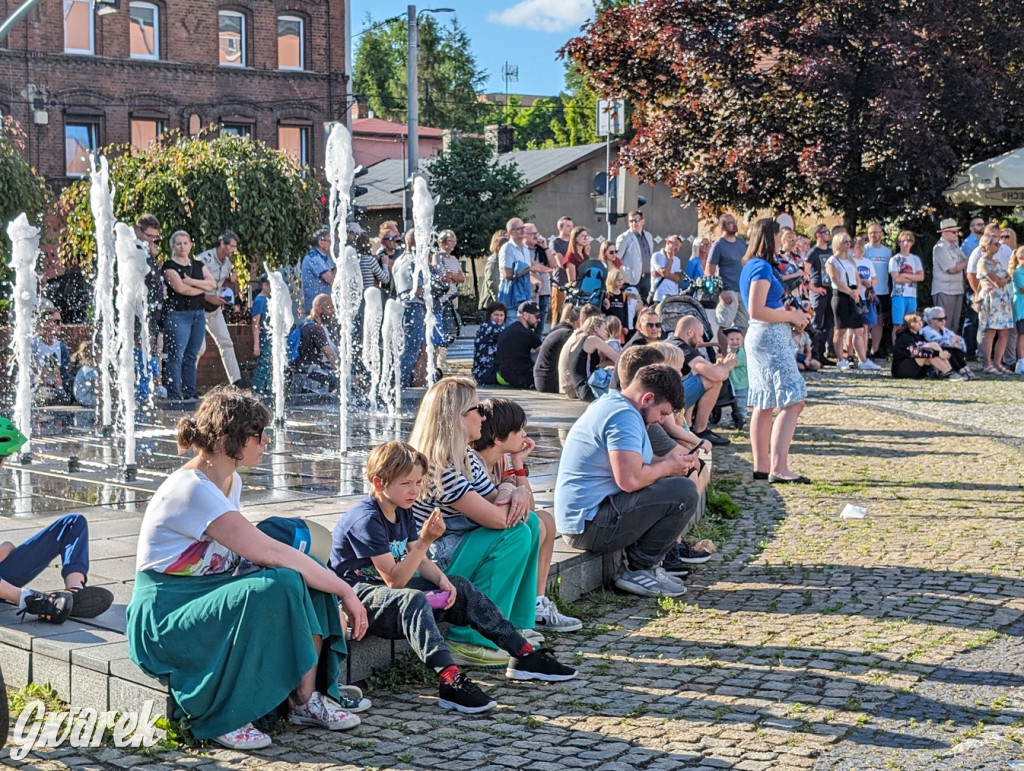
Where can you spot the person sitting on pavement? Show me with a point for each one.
(492, 538)
(377, 550)
(316, 365)
(585, 349)
(669, 435)
(913, 358)
(516, 343)
(648, 329)
(504, 448)
(564, 375)
(485, 344)
(611, 493)
(804, 359)
(210, 582)
(68, 538)
(702, 380)
(545, 368)
(936, 331)
(52, 381)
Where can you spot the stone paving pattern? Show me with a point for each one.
(811, 642)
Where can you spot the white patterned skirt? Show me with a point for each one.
(774, 379)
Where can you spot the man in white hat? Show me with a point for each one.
(948, 264)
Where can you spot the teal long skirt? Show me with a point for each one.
(230, 648)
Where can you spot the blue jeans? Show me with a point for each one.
(67, 537)
(185, 332)
(415, 323)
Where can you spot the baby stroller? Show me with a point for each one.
(588, 289)
(673, 308)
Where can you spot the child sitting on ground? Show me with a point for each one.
(614, 326)
(804, 360)
(377, 550)
(738, 376)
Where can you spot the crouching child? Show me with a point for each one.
(377, 549)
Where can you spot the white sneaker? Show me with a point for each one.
(842, 364)
(667, 579)
(549, 617)
(869, 365)
(533, 637)
(323, 712)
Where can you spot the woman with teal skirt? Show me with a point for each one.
(238, 624)
(491, 537)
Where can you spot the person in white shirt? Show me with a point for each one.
(220, 262)
(905, 271)
(667, 269)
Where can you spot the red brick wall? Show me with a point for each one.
(187, 80)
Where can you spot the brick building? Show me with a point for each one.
(77, 80)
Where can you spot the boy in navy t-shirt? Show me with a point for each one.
(377, 549)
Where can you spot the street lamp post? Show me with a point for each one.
(413, 107)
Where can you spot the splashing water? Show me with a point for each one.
(281, 320)
(393, 332)
(101, 197)
(132, 314)
(24, 248)
(373, 315)
(423, 220)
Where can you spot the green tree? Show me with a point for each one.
(477, 193)
(579, 112)
(448, 81)
(21, 190)
(865, 108)
(534, 124)
(204, 186)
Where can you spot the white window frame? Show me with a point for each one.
(156, 30)
(91, 51)
(302, 42)
(242, 53)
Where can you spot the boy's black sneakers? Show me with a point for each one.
(90, 601)
(464, 695)
(54, 608)
(538, 665)
(682, 555)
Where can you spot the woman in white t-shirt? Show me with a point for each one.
(236, 622)
(906, 271)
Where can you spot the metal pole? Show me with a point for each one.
(412, 109)
(608, 179)
(13, 18)
(348, 65)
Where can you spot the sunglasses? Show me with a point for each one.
(939, 318)
(475, 408)
(639, 220)
(654, 325)
(1004, 237)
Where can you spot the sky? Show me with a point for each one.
(524, 33)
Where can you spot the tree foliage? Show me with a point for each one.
(204, 186)
(448, 81)
(863, 107)
(477, 192)
(22, 189)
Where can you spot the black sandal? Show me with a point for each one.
(783, 481)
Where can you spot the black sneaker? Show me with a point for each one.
(90, 601)
(463, 695)
(538, 665)
(53, 608)
(684, 554)
(714, 438)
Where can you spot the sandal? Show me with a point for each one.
(990, 370)
(248, 737)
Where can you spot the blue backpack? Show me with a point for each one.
(294, 341)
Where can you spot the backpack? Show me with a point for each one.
(295, 340)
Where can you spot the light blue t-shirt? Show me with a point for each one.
(879, 257)
(1018, 295)
(585, 476)
(314, 264)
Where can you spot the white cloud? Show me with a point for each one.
(544, 15)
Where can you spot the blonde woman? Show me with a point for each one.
(994, 303)
(585, 349)
(842, 270)
(491, 536)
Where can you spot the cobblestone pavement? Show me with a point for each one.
(810, 642)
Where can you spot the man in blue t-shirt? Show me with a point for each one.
(376, 548)
(726, 260)
(879, 254)
(612, 494)
(318, 269)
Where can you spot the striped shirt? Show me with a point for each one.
(371, 271)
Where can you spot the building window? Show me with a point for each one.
(79, 35)
(291, 53)
(145, 31)
(293, 141)
(81, 137)
(232, 39)
(236, 129)
(145, 132)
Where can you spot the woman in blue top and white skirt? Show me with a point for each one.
(774, 380)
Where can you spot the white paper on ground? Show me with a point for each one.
(853, 512)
